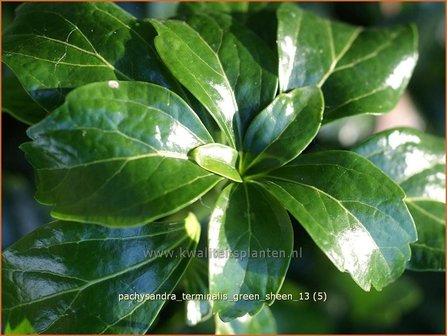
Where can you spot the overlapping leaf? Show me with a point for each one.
(283, 130)
(127, 153)
(55, 47)
(309, 46)
(359, 70)
(217, 158)
(248, 63)
(116, 153)
(417, 162)
(197, 66)
(257, 16)
(17, 102)
(58, 277)
(245, 225)
(353, 212)
(227, 67)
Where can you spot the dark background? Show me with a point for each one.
(413, 304)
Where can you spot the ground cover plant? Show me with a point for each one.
(133, 123)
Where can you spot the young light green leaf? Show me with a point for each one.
(245, 225)
(197, 66)
(262, 323)
(18, 103)
(58, 276)
(334, 56)
(417, 162)
(22, 328)
(217, 158)
(55, 47)
(248, 63)
(121, 149)
(353, 212)
(283, 130)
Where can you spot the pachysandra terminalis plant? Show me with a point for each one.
(134, 121)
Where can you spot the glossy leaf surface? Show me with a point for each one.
(428, 253)
(217, 158)
(417, 162)
(197, 66)
(353, 212)
(309, 46)
(249, 64)
(245, 224)
(17, 102)
(120, 148)
(55, 47)
(283, 130)
(257, 16)
(58, 277)
(261, 323)
(338, 57)
(384, 59)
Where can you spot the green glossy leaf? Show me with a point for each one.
(55, 47)
(258, 16)
(316, 51)
(59, 276)
(248, 63)
(17, 102)
(417, 162)
(217, 158)
(116, 153)
(309, 46)
(428, 253)
(261, 323)
(353, 212)
(251, 239)
(414, 160)
(384, 59)
(197, 66)
(283, 130)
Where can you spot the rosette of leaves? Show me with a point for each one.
(139, 119)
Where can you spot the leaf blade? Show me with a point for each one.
(113, 152)
(63, 292)
(388, 73)
(247, 62)
(296, 117)
(53, 48)
(198, 68)
(250, 274)
(308, 50)
(17, 102)
(339, 199)
(417, 162)
(332, 55)
(217, 158)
